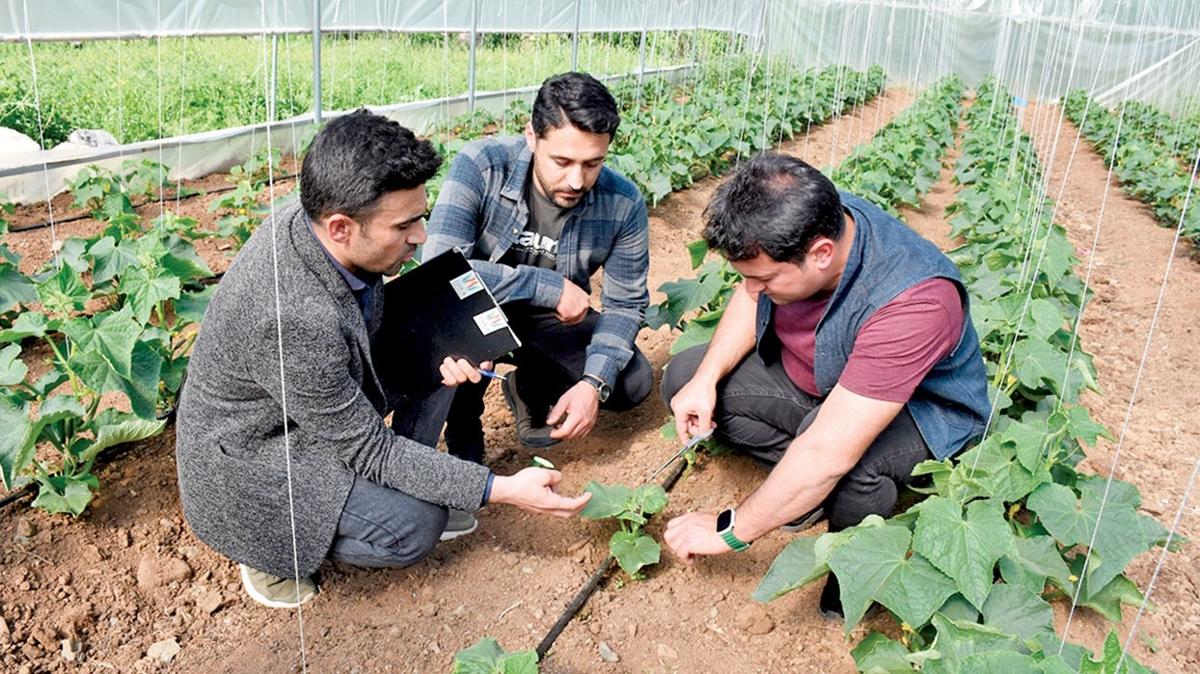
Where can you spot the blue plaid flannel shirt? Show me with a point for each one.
(481, 210)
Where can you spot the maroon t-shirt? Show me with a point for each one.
(893, 351)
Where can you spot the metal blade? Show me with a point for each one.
(696, 439)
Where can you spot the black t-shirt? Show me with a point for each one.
(537, 246)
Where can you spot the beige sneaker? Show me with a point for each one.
(274, 591)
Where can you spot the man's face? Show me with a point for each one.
(388, 236)
(566, 162)
(784, 282)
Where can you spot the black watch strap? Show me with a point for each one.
(600, 385)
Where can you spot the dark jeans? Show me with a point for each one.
(760, 411)
(383, 527)
(550, 361)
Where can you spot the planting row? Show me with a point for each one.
(1140, 158)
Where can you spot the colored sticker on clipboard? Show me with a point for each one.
(491, 321)
(466, 285)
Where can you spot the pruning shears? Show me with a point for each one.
(691, 444)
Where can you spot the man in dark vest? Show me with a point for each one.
(284, 457)
(844, 358)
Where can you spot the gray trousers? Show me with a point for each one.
(760, 411)
(382, 527)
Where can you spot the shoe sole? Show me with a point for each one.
(260, 598)
(451, 535)
(510, 398)
(806, 523)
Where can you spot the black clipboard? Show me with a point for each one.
(441, 308)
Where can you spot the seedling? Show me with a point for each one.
(487, 657)
(632, 548)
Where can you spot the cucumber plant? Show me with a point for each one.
(630, 545)
(487, 657)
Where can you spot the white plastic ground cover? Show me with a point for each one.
(1038, 48)
(26, 177)
(90, 20)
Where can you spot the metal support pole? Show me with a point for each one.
(471, 56)
(696, 37)
(575, 38)
(316, 62)
(642, 55)
(274, 74)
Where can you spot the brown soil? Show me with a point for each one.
(512, 578)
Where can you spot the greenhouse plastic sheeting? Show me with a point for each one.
(28, 178)
(88, 19)
(1147, 50)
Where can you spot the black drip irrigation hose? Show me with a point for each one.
(88, 216)
(593, 582)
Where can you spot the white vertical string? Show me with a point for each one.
(37, 104)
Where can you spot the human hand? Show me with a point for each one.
(693, 407)
(455, 372)
(532, 490)
(579, 405)
(572, 305)
(693, 535)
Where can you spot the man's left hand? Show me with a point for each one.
(694, 535)
(579, 405)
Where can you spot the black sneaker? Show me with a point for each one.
(528, 431)
(458, 523)
(831, 600)
(805, 521)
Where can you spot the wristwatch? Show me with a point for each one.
(600, 385)
(725, 520)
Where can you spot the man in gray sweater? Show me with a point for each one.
(283, 453)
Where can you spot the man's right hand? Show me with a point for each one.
(532, 489)
(693, 408)
(573, 304)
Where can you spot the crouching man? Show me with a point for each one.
(283, 453)
(845, 357)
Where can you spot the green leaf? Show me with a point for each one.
(114, 337)
(1003, 477)
(876, 565)
(15, 288)
(694, 334)
(877, 654)
(1032, 561)
(697, 250)
(131, 429)
(964, 548)
(650, 498)
(1081, 426)
(111, 258)
(607, 500)
(1044, 319)
(1009, 662)
(12, 368)
(633, 551)
(72, 497)
(1030, 441)
(793, 568)
(28, 324)
(1039, 365)
(958, 640)
(1072, 521)
(145, 289)
(1110, 659)
(1108, 600)
(64, 292)
(16, 441)
(191, 305)
(1015, 610)
(487, 657)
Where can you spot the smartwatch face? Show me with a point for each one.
(724, 520)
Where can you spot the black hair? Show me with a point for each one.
(356, 159)
(773, 204)
(586, 103)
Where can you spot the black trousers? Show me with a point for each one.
(550, 361)
(760, 411)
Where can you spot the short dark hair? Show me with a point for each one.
(359, 157)
(773, 204)
(586, 103)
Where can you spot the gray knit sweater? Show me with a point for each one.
(230, 435)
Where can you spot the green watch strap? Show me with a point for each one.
(733, 541)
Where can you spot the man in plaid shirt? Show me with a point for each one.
(538, 215)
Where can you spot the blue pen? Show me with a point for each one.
(492, 375)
